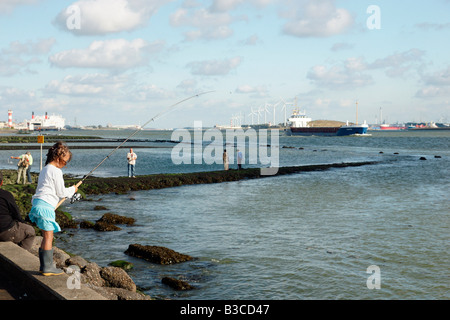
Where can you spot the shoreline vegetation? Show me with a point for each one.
(112, 281)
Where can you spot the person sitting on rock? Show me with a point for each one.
(12, 226)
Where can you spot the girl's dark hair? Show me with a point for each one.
(58, 151)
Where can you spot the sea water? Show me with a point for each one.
(313, 235)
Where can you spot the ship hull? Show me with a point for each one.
(314, 131)
(352, 130)
(329, 131)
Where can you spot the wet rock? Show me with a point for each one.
(156, 254)
(87, 224)
(77, 261)
(117, 278)
(90, 274)
(116, 219)
(64, 220)
(120, 294)
(105, 226)
(60, 257)
(99, 208)
(423, 158)
(176, 284)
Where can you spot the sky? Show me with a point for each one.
(122, 62)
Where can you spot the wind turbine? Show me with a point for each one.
(252, 114)
(274, 109)
(284, 107)
(260, 109)
(266, 111)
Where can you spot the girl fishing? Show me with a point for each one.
(49, 190)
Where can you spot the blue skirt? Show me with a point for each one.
(43, 214)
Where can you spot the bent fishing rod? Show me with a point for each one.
(76, 196)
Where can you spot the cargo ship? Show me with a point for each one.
(392, 127)
(299, 126)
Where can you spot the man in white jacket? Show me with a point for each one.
(131, 157)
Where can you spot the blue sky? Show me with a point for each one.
(124, 61)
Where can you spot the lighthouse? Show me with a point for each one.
(10, 119)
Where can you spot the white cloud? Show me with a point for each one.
(109, 16)
(436, 84)
(89, 84)
(341, 46)
(255, 91)
(18, 57)
(228, 5)
(316, 18)
(398, 64)
(354, 72)
(214, 67)
(7, 6)
(30, 48)
(252, 41)
(346, 76)
(206, 24)
(188, 85)
(117, 54)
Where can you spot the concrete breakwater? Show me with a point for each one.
(93, 185)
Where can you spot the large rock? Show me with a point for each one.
(91, 274)
(60, 257)
(120, 294)
(77, 261)
(176, 284)
(117, 278)
(116, 219)
(105, 226)
(156, 254)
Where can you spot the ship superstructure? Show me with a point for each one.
(46, 123)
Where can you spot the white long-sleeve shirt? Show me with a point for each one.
(50, 187)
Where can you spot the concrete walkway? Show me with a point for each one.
(20, 279)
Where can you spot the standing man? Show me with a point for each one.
(30, 162)
(22, 167)
(12, 226)
(131, 157)
(225, 159)
(239, 159)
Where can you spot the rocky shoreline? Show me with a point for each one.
(113, 282)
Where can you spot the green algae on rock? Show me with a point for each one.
(156, 254)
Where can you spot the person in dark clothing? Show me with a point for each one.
(12, 226)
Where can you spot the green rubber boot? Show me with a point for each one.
(48, 267)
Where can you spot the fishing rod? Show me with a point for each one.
(76, 196)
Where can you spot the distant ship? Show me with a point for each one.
(45, 123)
(299, 126)
(391, 127)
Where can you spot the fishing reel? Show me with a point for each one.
(76, 197)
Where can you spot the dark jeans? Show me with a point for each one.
(131, 170)
(29, 174)
(21, 234)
